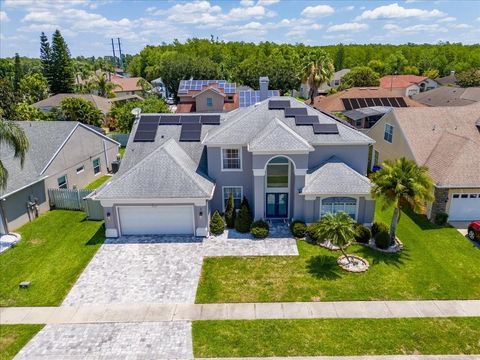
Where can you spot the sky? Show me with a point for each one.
(89, 25)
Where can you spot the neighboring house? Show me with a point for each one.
(159, 88)
(289, 160)
(449, 96)
(407, 85)
(101, 103)
(126, 85)
(449, 80)
(362, 106)
(447, 141)
(62, 154)
(334, 83)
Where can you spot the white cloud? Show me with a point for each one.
(246, 13)
(3, 16)
(394, 11)
(44, 16)
(267, 2)
(319, 10)
(448, 19)
(39, 28)
(350, 8)
(247, 2)
(419, 28)
(460, 26)
(348, 27)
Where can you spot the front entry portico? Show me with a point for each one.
(276, 205)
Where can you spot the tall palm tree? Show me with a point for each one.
(316, 70)
(402, 182)
(338, 228)
(13, 137)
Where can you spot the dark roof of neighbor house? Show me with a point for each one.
(450, 79)
(45, 139)
(101, 103)
(448, 96)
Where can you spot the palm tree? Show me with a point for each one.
(402, 182)
(103, 86)
(145, 85)
(13, 137)
(338, 228)
(317, 69)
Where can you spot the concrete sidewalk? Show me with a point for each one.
(246, 311)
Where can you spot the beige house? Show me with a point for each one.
(447, 141)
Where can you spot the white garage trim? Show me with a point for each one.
(464, 206)
(157, 226)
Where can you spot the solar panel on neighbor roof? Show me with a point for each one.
(291, 112)
(190, 119)
(325, 129)
(301, 120)
(210, 119)
(346, 104)
(191, 132)
(362, 102)
(278, 104)
(170, 120)
(369, 101)
(401, 102)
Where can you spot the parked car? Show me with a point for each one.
(474, 230)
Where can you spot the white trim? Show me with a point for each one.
(223, 193)
(99, 166)
(367, 196)
(111, 233)
(4, 196)
(372, 162)
(151, 201)
(258, 172)
(385, 131)
(357, 199)
(66, 181)
(310, 197)
(291, 152)
(82, 169)
(300, 172)
(201, 232)
(240, 150)
(277, 156)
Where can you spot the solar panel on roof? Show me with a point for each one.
(362, 102)
(401, 102)
(346, 104)
(291, 112)
(278, 104)
(210, 119)
(148, 126)
(369, 102)
(325, 129)
(377, 101)
(190, 119)
(149, 119)
(385, 101)
(191, 132)
(301, 120)
(170, 120)
(144, 136)
(394, 102)
(355, 104)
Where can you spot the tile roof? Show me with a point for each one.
(448, 96)
(334, 177)
(400, 81)
(168, 172)
(446, 139)
(333, 103)
(101, 103)
(126, 83)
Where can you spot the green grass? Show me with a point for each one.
(437, 263)
(97, 182)
(14, 337)
(121, 151)
(54, 250)
(336, 337)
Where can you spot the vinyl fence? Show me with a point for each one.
(69, 199)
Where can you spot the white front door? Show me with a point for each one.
(156, 220)
(464, 206)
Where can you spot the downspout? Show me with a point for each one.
(106, 155)
(3, 221)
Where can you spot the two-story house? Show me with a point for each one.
(289, 160)
(407, 85)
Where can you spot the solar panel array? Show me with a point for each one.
(292, 112)
(357, 103)
(302, 120)
(191, 132)
(146, 129)
(251, 97)
(278, 104)
(197, 85)
(325, 129)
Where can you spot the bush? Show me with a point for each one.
(245, 202)
(363, 234)
(230, 212)
(382, 239)
(260, 229)
(378, 227)
(243, 222)
(312, 232)
(298, 228)
(441, 218)
(217, 225)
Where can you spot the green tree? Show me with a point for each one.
(317, 69)
(103, 86)
(46, 58)
(26, 112)
(339, 228)
(217, 225)
(395, 63)
(230, 212)
(33, 88)
(17, 75)
(469, 78)
(7, 99)
(14, 138)
(145, 85)
(399, 183)
(244, 220)
(431, 73)
(81, 110)
(377, 66)
(411, 70)
(360, 76)
(62, 70)
(340, 58)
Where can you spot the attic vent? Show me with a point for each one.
(278, 104)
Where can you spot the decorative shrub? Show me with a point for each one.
(441, 218)
(260, 229)
(377, 227)
(312, 232)
(230, 212)
(382, 239)
(245, 202)
(217, 225)
(363, 234)
(243, 221)
(298, 228)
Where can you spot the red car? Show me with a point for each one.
(474, 230)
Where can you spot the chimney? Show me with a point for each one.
(263, 88)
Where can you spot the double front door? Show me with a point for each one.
(277, 205)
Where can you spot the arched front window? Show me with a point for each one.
(337, 204)
(277, 173)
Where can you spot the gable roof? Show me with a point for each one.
(276, 136)
(101, 103)
(168, 172)
(126, 83)
(400, 81)
(244, 124)
(450, 79)
(448, 96)
(216, 91)
(453, 141)
(334, 177)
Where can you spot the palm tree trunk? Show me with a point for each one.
(393, 225)
(345, 254)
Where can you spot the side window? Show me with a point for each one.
(62, 182)
(96, 166)
(231, 159)
(209, 102)
(388, 135)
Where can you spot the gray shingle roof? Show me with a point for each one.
(101, 103)
(168, 172)
(276, 136)
(243, 125)
(448, 96)
(335, 177)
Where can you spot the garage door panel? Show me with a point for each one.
(465, 208)
(153, 220)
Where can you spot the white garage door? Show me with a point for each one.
(150, 220)
(465, 207)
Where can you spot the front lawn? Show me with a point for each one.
(95, 184)
(54, 250)
(14, 337)
(252, 338)
(437, 263)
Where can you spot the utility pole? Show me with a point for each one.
(120, 52)
(114, 57)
